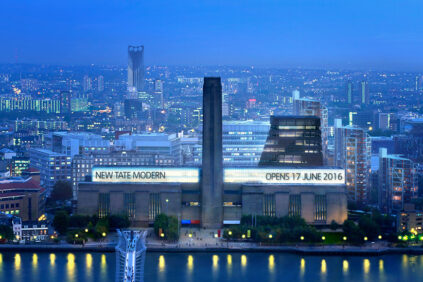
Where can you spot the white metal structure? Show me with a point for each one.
(130, 256)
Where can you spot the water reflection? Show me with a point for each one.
(52, 259)
(89, 261)
(366, 266)
(381, 265)
(18, 262)
(190, 263)
(215, 262)
(34, 260)
(229, 264)
(243, 261)
(103, 266)
(345, 266)
(302, 267)
(162, 264)
(70, 266)
(324, 267)
(271, 263)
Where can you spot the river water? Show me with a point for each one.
(203, 267)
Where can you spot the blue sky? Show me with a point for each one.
(282, 33)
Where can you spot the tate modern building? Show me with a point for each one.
(288, 181)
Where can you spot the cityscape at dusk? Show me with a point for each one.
(211, 140)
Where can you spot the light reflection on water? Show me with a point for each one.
(204, 267)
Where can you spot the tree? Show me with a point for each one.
(61, 222)
(369, 227)
(333, 225)
(168, 225)
(62, 191)
(118, 222)
(6, 232)
(353, 232)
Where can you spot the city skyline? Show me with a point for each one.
(290, 34)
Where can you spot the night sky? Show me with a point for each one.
(293, 33)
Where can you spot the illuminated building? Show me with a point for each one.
(158, 93)
(293, 141)
(243, 143)
(364, 95)
(26, 103)
(353, 152)
(350, 92)
(18, 165)
(136, 67)
(409, 219)
(30, 230)
(100, 83)
(308, 107)
(21, 197)
(211, 196)
(397, 181)
(82, 164)
(53, 166)
(87, 84)
(74, 143)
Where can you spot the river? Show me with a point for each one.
(203, 267)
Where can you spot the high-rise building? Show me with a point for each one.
(397, 181)
(87, 83)
(293, 141)
(100, 83)
(158, 93)
(212, 178)
(350, 92)
(136, 67)
(353, 152)
(364, 94)
(243, 143)
(65, 102)
(53, 166)
(308, 107)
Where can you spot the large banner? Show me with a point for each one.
(146, 174)
(231, 175)
(284, 176)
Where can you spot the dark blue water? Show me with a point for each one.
(256, 267)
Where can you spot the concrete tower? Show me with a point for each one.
(136, 67)
(212, 171)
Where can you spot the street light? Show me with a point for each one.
(365, 238)
(379, 237)
(76, 235)
(270, 236)
(162, 235)
(344, 238)
(104, 234)
(86, 230)
(243, 236)
(323, 238)
(302, 238)
(230, 233)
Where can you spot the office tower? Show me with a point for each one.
(243, 143)
(53, 166)
(65, 102)
(353, 152)
(158, 93)
(87, 83)
(397, 181)
(384, 121)
(349, 92)
(212, 163)
(100, 83)
(410, 143)
(136, 67)
(308, 107)
(293, 141)
(364, 96)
